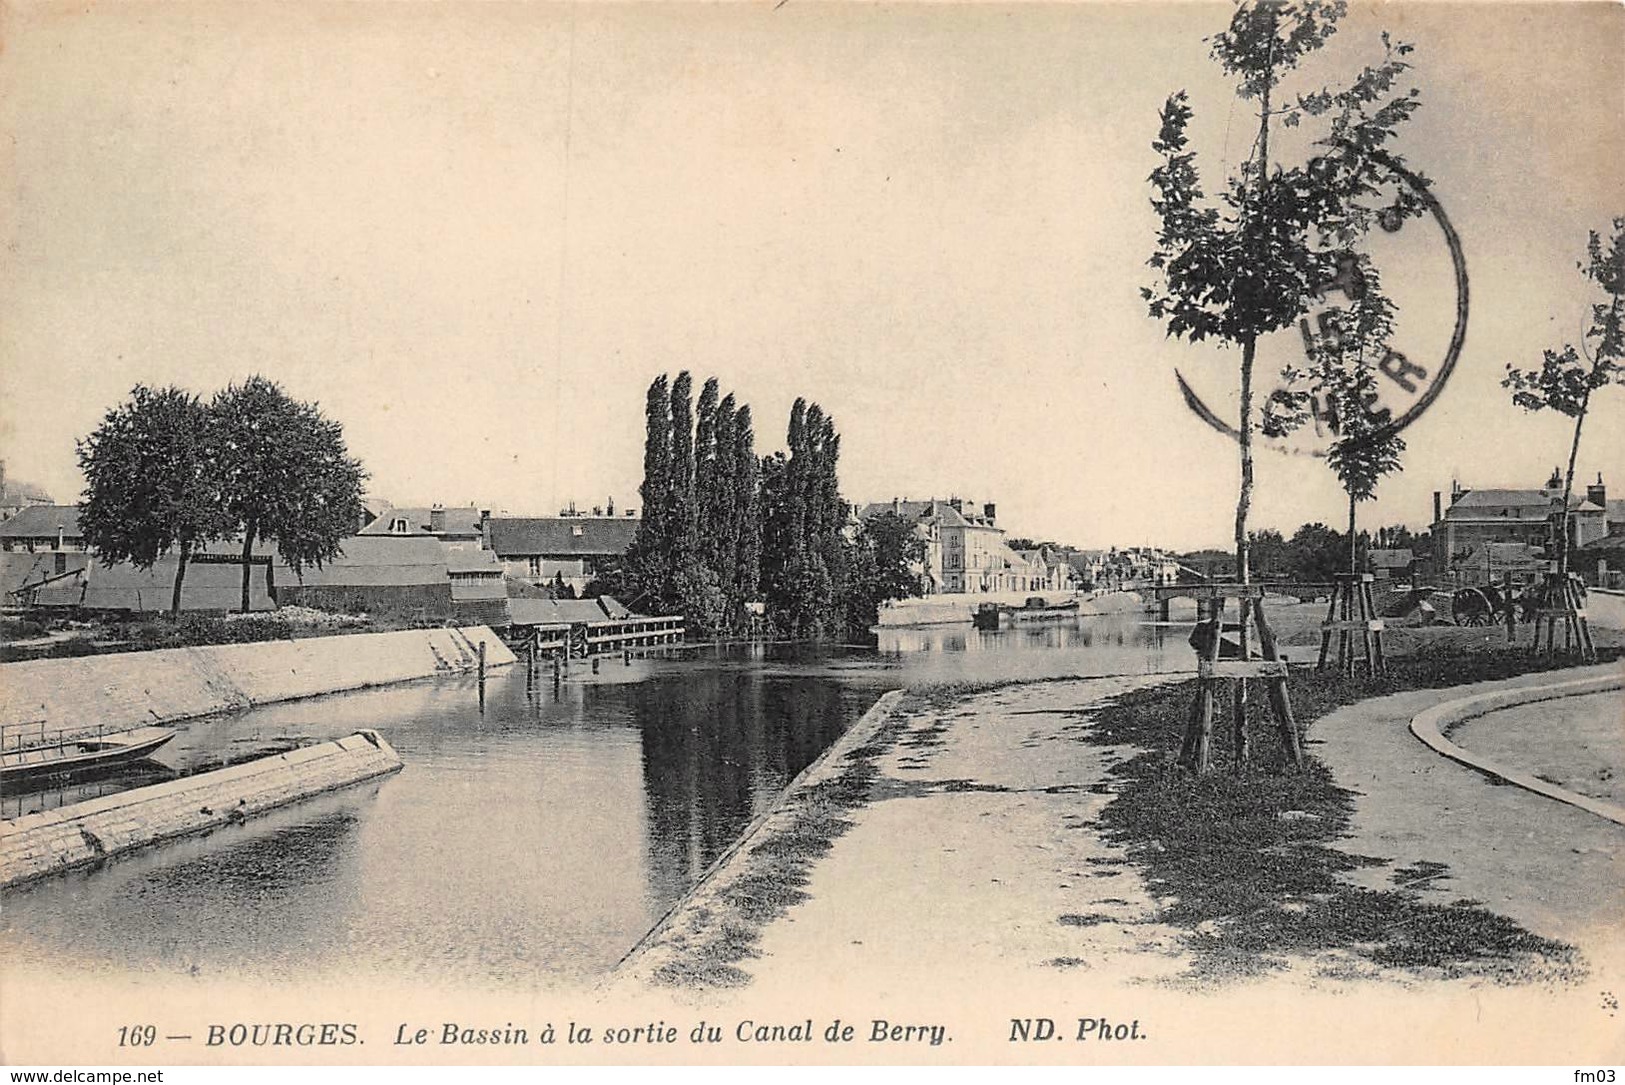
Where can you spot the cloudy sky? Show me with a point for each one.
(474, 233)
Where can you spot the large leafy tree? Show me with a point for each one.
(1250, 261)
(899, 556)
(287, 477)
(1568, 378)
(153, 482)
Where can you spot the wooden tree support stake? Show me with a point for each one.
(1563, 601)
(1353, 613)
(1196, 752)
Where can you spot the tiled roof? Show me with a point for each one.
(1614, 540)
(547, 536)
(1511, 505)
(460, 520)
(375, 561)
(472, 561)
(42, 522)
(558, 611)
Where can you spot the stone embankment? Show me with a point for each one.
(64, 698)
(38, 845)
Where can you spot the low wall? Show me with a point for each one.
(135, 689)
(1433, 726)
(954, 607)
(908, 612)
(38, 845)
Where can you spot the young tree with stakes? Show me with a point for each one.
(1341, 382)
(1251, 265)
(152, 482)
(287, 477)
(1567, 379)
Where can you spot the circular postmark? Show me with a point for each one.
(1428, 282)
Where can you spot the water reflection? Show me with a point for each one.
(527, 844)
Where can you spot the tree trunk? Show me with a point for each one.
(1568, 488)
(1249, 345)
(180, 575)
(1244, 499)
(1354, 555)
(248, 554)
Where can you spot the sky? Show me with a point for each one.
(474, 233)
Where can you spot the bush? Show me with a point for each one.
(20, 629)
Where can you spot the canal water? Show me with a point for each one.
(526, 845)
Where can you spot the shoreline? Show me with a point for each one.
(829, 919)
(81, 696)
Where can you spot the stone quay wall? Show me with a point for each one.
(42, 844)
(64, 698)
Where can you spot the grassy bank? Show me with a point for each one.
(62, 638)
(1245, 860)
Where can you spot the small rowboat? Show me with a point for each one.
(83, 754)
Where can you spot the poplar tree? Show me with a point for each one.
(748, 517)
(680, 511)
(647, 562)
(707, 511)
(721, 538)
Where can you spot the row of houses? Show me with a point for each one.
(966, 553)
(436, 562)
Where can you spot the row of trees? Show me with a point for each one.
(698, 547)
(1279, 236)
(723, 529)
(167, 472)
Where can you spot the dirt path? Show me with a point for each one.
(969, 862)
(945, 867)
(1555, 869)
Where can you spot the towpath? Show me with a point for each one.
(972, 867)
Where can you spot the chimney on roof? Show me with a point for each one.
(437, 519)
(955, 504)
(989, 511)
(1597, 493)
(485, 529)
(631, 514)
(897, 506)
(609, 509)
(1455, 490)
(1438, 506)
(1556, 481)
